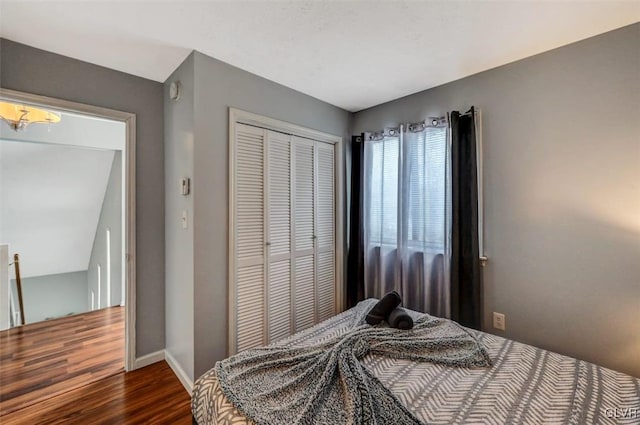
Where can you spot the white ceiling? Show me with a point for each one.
(51, 195)
(353, 54)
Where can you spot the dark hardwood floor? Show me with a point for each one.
(151, 395)
(71, 371)
(41, 360)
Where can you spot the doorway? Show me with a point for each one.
(67, 194)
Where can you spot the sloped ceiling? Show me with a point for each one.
(50, 199)
(353, 54)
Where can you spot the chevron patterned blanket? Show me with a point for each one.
(526, 385)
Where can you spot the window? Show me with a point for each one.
(108, 248)
(383, 190)
(426, 192)
(406, 184)
(99, 272)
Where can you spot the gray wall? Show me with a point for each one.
(179, 146)
(219, 86)
(54, 295)
(110, 218)
(562, 193)
(36, 71)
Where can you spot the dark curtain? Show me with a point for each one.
(355, 258)
(466, 278)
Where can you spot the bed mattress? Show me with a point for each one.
(526, 385)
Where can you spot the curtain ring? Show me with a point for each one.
(416, 127)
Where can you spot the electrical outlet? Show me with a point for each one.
(499, 321)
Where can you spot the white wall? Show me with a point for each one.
(111, 216)
(50, 202)
(59, 193)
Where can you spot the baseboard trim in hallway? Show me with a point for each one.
(148, 359)
(185, 380)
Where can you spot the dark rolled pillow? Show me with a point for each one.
(400, 319)
(381, 310)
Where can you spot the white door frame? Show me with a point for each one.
(129, 187)
(243, 117)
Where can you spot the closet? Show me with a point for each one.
(282, 233)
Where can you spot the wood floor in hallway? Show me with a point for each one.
(39, 361)
(151, 395)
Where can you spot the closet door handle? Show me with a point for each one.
(267, 243)
(314, 237)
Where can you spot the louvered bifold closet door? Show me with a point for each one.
(325, 231)
(249, 237)
(278, 220)
(303, 233)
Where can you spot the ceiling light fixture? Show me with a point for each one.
(20, 116)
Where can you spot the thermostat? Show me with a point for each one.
(185, 186)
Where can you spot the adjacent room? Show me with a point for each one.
(61, 223)
(332, 212)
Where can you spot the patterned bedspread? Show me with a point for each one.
(526, 385)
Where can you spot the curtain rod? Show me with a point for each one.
(392, 131)
(432, 122)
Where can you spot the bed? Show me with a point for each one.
(525, 385)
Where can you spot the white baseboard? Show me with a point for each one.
(148, 359)
(186, 382)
